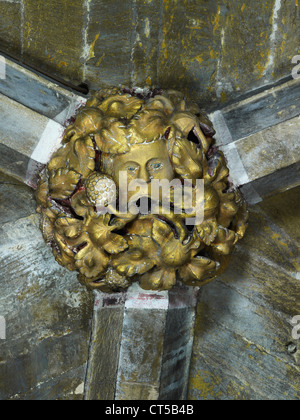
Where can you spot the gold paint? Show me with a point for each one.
(92, 47)
(199, 59)
(206, 382)
(217, 20)
(100, 60)
(164, 49)
(147, 28)
(213, 54)
(261, 69)
(223, 96)
(152, 136)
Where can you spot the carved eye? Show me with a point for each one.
(131, 169)
(167, 133)
(155, 166)
(192, 136)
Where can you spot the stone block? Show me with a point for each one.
(259, 137)
(262, 110)
(271, 149)
(243, 330)
(146, 42)
(39, 94)
(244, 60)
(109, 34)
(215, 51)
(10, 28)
(141, 344)
(52, 37)
(190, 41)
(286, 38)
(27, 140)
(47, 312)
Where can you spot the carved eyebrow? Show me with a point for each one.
(131, 162)
(152, 159)
(131, 166)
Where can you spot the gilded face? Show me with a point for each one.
(144, 162)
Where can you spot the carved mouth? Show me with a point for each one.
(171, 225)
(144, 204)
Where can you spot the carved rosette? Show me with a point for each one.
(110, 250)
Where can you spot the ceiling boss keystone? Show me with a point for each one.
(138, 192)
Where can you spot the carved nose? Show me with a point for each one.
(144, 205)
(144, 175)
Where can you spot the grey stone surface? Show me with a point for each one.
(141, 345)
(47, 312)
(263, 110)
(101, 379)
(260, 138)
(27, 140)
(38, 93)
(215, 51)
(243, 332)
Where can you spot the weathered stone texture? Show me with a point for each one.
(179, 337)
(271, 149)
(38, 94)
(243, 325)
(47, 312)
(141, 344)
(286, 36)
(214, 50)
(10, 24)
(109, 42)
(104, 353)
(190, 46)
(246, 29)
(53, 37)
(263, 110)
(146, 42)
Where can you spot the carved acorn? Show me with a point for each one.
(100, 190)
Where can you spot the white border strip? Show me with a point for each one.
(49, 142)
(237, 170)
(2, 68)
(238, 173)
(223, 135)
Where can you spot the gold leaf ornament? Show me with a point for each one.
(135, 130)
(88, 121)
(91, 261)
(199, 271)
(101, 233)
(63, 182)
(138, 259)
(187, 159)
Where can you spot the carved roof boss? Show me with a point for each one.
(103, 207)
